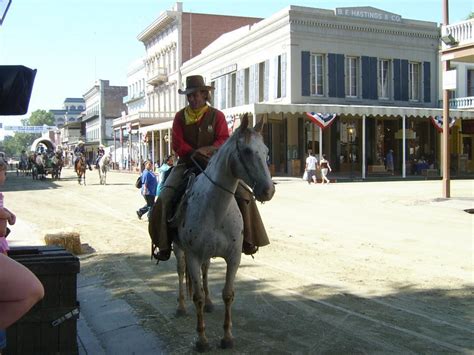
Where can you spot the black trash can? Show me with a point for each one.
(50, 327)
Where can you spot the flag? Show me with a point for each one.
(438, 122)
(321, 119)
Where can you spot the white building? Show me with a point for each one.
(375, 72)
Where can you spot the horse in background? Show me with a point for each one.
(104, 166)
(81, 167)
(57, 163)
(217, 230)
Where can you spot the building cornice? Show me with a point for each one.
(366, 27)
(164, 20)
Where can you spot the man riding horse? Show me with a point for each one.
(100, 154)
(198, 130)
(79, 151)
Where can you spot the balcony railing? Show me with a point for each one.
(462, 103)
(157, 76)
(462, 32)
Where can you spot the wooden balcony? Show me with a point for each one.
(460, 38)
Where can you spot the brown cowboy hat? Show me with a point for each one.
(194, 83)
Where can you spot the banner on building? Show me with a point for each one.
(30, 129)
(323, 120)
(438, 122)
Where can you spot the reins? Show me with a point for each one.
(209, 178)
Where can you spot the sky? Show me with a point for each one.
(72, 43)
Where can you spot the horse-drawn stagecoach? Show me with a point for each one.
(45, 159)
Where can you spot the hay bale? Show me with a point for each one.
(68, 239)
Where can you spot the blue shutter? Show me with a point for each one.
(305, 74)
(427, 81)
(332, 92)
(404, 80)
(396, 80)
(252, 84)
(283, 75)
(239, 95)
(340, 76)
(369, 78)
(365, 77)
(275, 73)
(266, 81)
(373, 79)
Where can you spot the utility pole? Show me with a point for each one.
(445, 140)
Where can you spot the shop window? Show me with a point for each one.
(383, 79)
(414, 81)
(352, 74)
(470, 82)
(317, 74)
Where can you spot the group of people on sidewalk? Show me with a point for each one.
(198, 131)
(312, 166)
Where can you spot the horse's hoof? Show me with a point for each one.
(181, 312)
(202, 347)
(227, 343)
(208, 308)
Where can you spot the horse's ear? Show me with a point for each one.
(244, 122)
(259, 126)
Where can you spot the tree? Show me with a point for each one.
(21, 141)
(470, 16)
(39, 118)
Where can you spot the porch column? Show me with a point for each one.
(160, 145)
(363, 147)
(115, 145)
(404, 147)
(153, 147)
(320, 143)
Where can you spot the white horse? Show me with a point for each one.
(217, 230)
(104, 166)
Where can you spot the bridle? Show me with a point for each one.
(242, 161)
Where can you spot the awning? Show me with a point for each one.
(346, 110)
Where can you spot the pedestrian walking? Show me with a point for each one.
(325, 167)
(148, 189)
(310, 168)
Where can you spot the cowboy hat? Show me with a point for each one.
(101, 146)
(194, 83)
(80, 142)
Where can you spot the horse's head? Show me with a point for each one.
(251, 163)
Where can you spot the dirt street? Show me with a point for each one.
(382, 267)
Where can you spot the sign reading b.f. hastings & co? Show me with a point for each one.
(368, 13)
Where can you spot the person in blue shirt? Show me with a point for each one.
(164, 171)
(148, 190)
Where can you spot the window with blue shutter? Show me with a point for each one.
(336, 75)
(369, 78)
(252, 75)
(305, 74)
(266, 80)
(404, 80)
(397, 95)
(427, 81)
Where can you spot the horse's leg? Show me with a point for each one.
(228, 297)
(194, 270)
(181, 268)
(208, 306)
